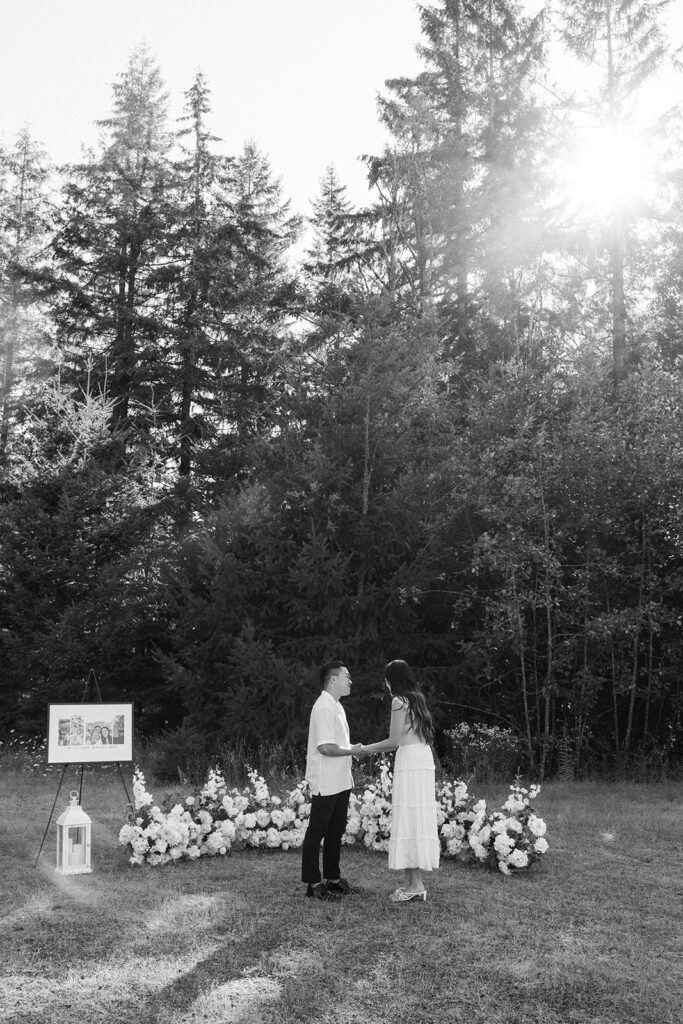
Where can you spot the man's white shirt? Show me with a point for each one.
(328, 775)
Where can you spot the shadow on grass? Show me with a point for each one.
(590, 935)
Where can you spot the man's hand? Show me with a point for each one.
(357, 749)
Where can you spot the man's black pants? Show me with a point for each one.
(327, 823)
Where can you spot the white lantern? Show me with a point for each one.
(73, 839)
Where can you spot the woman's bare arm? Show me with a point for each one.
(396, 730)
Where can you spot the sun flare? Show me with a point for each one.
(607, 171)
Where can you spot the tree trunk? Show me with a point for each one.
(617, 231)
(10, 336)
(636, 644)
(525, 697)
(618, 300)
(615, 707)
(550, 652)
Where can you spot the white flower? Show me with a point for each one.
(518, 859)
(189, 801)
(273, 838)
(502, 844)
(126, 833)
(485, 835)
(227, 830)
(262, 819)
(540, 846)
(536, 825)
(250, 821)
(502, 866)
(213, 843)
(206, 821)
(514, 804)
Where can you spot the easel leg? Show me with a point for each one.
(52, 812)
(80, 785)
(130, 802)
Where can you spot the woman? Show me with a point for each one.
(414, 841)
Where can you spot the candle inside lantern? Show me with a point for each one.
(73, 840)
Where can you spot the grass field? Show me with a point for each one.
(594, 934)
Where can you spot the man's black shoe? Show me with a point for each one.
(321, 892)
(342, 887)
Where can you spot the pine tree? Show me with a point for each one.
(105, 250)
(463, 178)
(331, 259)
(198, 268)
(259, 302)
(624, 40)
(25, 218)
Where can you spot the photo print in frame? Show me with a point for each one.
(89, 733)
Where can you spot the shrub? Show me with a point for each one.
(486, 753)
(23, 753)
(186, 754)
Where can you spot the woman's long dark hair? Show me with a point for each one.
(400, 677)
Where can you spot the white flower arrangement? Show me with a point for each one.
(214, 820)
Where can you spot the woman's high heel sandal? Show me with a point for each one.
(400, 896)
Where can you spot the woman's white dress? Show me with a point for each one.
(414, 839)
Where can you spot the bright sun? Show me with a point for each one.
(608, 170)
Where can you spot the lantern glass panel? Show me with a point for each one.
(76, 846)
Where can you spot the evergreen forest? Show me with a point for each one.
(237, 441)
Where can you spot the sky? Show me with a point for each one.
(299, 77)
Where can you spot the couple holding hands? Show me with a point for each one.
(414, 841)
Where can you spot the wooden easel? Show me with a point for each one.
(92, 678)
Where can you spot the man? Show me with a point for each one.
(328, 773)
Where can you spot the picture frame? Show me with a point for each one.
(89, 733)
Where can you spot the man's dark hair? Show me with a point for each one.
(327, 670)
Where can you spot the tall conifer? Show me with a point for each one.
(623, 41)
(25, 220)
(107, 242)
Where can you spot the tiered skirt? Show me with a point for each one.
(414, 841)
